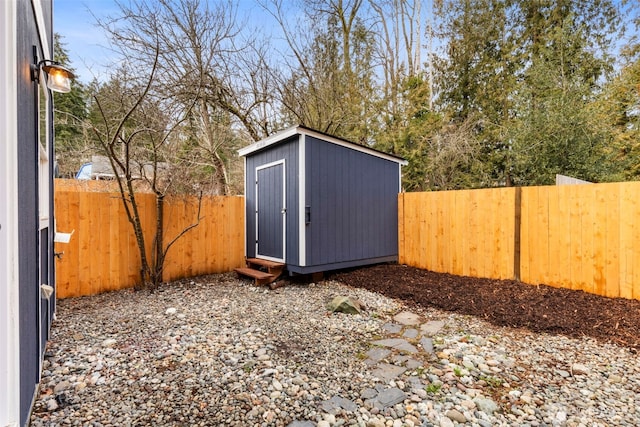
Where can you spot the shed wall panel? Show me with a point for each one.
(288, 151)
(353, 203)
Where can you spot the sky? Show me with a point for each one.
(75, 21)
(85, 43)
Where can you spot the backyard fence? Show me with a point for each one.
(582, 237)
(102, 254)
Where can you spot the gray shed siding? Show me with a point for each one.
(352, 199)
(341, 201)
(288, 151)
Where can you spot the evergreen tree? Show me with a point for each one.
(70, 111)
(564, 48)
(618, 110)
(477, 79)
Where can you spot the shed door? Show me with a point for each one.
(270, 211)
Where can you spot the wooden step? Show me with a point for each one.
(272, 267)
(264, 262)
(261, 278)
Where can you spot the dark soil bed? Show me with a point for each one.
(507, 302)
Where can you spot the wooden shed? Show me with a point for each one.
(317, 203)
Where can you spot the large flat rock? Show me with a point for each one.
(397, 344)
(407, 318)
(388, 372)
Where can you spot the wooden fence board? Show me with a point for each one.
(575, 232)
(542, 257)
(525, 240)
(190, 217)
(458, 234)
(580, 237)
(73, 218)
(471, 255)
(630, 236)
(611, 211)
(599, 245)
(587, 228)
(429, 229)
(114, 236)
(401, 240)
(63, 224)
(559, 238)
(87, 221)
(445, 230)
(103, 254)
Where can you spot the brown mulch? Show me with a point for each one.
(507, 302)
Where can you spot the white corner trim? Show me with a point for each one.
(42, 27)
(9, 283)
(302, 201)
(245, 206)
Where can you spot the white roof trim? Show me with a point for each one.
(300, 130)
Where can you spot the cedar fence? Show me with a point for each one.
(583, 237)
(103, 254)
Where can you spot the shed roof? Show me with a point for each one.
(302, 130)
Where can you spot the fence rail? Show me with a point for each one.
(103, 254)
(578, 237)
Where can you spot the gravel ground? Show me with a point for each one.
(218, 351)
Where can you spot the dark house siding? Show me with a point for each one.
(36, 265)
(27, 37)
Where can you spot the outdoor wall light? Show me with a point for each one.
(58, 77)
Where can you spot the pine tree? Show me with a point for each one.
(70, 113)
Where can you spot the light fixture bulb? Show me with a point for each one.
(58, 78)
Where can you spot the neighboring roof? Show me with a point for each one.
(302, 130)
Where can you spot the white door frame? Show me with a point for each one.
(283, 209)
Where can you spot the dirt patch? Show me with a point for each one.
(507, 302)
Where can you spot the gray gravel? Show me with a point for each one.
(218, 351)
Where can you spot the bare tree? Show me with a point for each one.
(135, 125)
(203, 61)
(399, 45)
(327, 81)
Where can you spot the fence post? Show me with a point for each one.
(516, 232)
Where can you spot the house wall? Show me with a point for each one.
(289, 151)
(33, 28)
(352, 198)
(9, 332)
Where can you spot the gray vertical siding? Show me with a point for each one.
(351, 195)
(288, 150)
(34, 247)
(353, 202)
